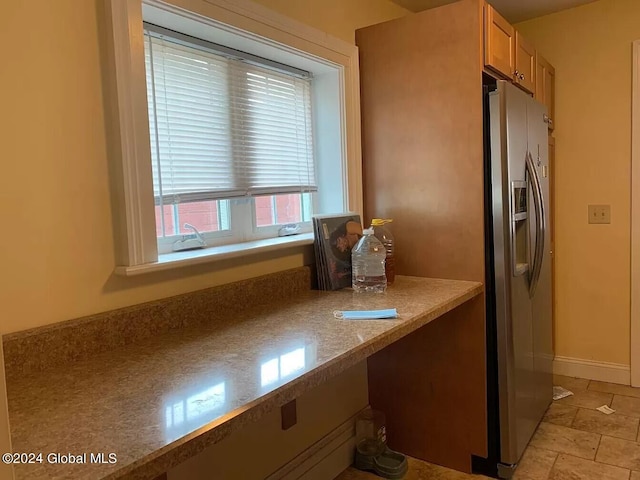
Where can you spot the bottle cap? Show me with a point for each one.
(377, 222)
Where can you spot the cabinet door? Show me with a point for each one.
(499, 43)
(525, 74)
(546, 87)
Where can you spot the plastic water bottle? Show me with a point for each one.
(383, 234)
(367, 263)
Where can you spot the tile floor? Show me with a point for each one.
(573, 442)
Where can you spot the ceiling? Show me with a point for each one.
(513, 10)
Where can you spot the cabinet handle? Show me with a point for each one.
(522, 77)
(516, 74)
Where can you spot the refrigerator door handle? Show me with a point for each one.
(540, 225)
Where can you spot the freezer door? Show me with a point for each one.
(518, 384)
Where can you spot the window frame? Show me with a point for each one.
(243, 228)
(134, 218)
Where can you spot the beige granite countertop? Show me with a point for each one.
(162, 400)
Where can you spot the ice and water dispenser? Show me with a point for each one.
(520, 230)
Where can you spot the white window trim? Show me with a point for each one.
(134, 218)
(221, 252)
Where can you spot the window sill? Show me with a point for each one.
(170, 261)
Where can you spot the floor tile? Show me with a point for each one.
(535, 464)
(571, 436)
(626, 405)
(614, 425)
(560, 414)
(566, 440)
(587, 399)
(355, 474)
(570, 383)
(614, 388)
(622, 453)
(418, 470)
(568, 467)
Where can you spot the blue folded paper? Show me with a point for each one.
(366, 314)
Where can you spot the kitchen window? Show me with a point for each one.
(231, 141)
(231, 120)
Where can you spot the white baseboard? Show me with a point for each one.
(323, 460)
(602, 371)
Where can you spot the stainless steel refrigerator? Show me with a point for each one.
(519, 331)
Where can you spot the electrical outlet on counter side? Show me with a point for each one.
(599, 213)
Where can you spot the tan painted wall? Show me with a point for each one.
(340, 18)
(57, 257)
(590, 47)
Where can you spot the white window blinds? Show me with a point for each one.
(222, 127)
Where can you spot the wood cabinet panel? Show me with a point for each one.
(499, 43)
(413, 117)
(525, 73)
(422, 146)
(418, 379)
(546, 87)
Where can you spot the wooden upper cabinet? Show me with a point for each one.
(546, 87)
(525, 73)
(499, 43)
(508, 54)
